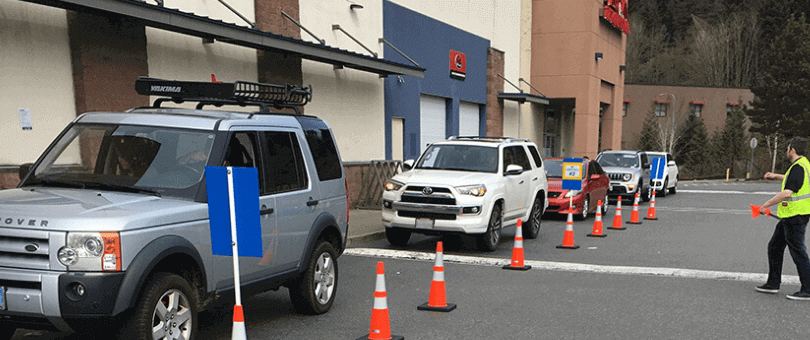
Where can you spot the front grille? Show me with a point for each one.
(615, 176)
(420, 188)
(434, 216)
(13, 252)
(428, 199)
(438, 195)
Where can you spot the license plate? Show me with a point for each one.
(2, 298)
(424, 223)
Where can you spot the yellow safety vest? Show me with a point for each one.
(799, 202)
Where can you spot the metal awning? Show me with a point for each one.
(188, 23)
(521, 97)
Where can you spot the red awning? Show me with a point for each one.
(698, 103)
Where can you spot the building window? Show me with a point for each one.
(624, 109)
(661, 109)
(695, 109)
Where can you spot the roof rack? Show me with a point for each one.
(489, 138)
(242, 93)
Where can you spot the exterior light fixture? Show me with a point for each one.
(622, 68)
(598, 55)
(355, 6)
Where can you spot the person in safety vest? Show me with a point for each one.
(794, 211)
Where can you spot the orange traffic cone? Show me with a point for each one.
(380, 324)
(634, 214)
(517, 250)
(238, 332)
(568, 237)
(438, 297)
(617, 218)
(597, 224)
(651, 209)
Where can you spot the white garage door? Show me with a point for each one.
(432, 118)
(468, 119)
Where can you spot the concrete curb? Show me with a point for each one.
(370, 237)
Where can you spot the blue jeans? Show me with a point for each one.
(789, 233)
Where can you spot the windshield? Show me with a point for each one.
(553, 168)
(460, 158)
(158, 160)
(622, 160)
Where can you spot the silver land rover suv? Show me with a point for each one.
(629, 172)
(109, 229)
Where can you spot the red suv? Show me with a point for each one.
(595, 185)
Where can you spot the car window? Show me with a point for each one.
(536, 156)
(590, 170)
(622, 160)
(460, 158)
(285, 163)
(322, 147)
(516, 155)
(554, 168)
(598, 168)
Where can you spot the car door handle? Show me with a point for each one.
(521, 182)
(266, 211)
(312, 203)
(534, 179)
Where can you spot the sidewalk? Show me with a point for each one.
(365, 226)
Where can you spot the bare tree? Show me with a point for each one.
(726, 53)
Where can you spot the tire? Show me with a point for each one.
(161, 291)
(645, 195)
(674, 189)
(535, 219)
(488, 241)
(7, 330)
(586, 204)
(313, 292)
(605, 205)
(397, 236)
(664, 188)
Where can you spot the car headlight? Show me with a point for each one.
(571, 193)
(91, 251)
(392, 185)
(627, 177)
(472, 190)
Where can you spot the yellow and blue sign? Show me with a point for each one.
(572, 174)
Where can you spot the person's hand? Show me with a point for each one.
(769, 175)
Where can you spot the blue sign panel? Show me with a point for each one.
(657, 170)
(572, 174)
(246, 206)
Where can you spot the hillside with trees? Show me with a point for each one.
(762, 45)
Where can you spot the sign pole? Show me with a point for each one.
(234, 244)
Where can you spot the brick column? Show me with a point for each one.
(275, 67)
(107, 54)
(495, 65)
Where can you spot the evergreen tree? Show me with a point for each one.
(781, 103)
(648, 137)
(693, 149)
(729, 145)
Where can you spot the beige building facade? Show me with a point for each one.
(712, 104)
(578, 55)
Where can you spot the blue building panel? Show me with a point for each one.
(429, 42)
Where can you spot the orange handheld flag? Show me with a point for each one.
(755, 212)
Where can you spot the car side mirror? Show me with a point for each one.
(407, 164)
(513, 169)
(24, 170)
(671, 163)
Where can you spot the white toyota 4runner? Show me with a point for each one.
(467, 185)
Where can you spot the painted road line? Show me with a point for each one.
(572, 267)
(706, 210)
(725, 192)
